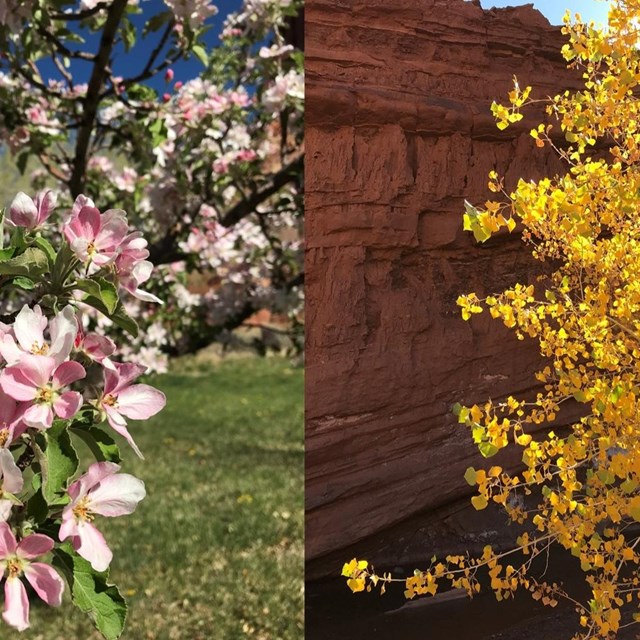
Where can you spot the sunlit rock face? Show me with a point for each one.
(398, 135)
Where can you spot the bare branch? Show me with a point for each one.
(81, 15)
(92, 99)
(60, 47)
(287, 174)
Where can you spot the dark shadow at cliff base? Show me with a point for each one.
(333, 612)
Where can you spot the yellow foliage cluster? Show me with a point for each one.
(579, 485)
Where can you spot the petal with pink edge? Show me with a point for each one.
(63, 330)
(7, 409)
(96, 473)
(80, 202)
(34, 546)
(16, 385)
(36, 369)
(67, 373)
(127, 373)
(117, 495)
(98, 347)
(28, 328)
(11, 475)
(119, 425)
(23, 211)
(47, 583)
(16, 604)
(68, 404)
(8, 542)
(140, 401)
(91, 545)
(39, 416)
(113, 231)
(86, 224)
(5, 510)
(45, 202)
(9, 349)
(145, 296)
(69, 527)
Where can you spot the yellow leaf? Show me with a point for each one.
(356, 584)
(479, 502)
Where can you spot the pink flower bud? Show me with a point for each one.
(166, 97)
(178, 85)
(168, 76)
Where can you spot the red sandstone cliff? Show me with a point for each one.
(398, 134)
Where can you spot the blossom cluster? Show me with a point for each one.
(58, 378)
(178, 162)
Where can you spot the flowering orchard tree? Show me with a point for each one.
(579, 484)
(210, 169)
(60, 383)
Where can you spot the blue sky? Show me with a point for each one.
(595, 10)
(128, 64)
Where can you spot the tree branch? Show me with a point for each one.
(81, 15)
(287, 174)
(92, 99)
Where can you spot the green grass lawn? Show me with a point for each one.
(215, 551)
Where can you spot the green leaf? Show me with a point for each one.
(470, 476)
(102, 289)
(201, 54)
(487, 449)
(616, 392)
(58, 460)
(64, 259)
(156, 21)
(119, 317)
(128, 32)
(92, 593)
(24, 283)
(46, 246)
(32, 263)
(21, 162)
(101, 444)
(37, 508)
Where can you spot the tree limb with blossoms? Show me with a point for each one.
(210, 171)
(62, 384)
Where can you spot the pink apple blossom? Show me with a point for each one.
(11, 483)
(100, 491)
(12, 425)
(95, 237)
(95, 346)
(121, 398)
(191, 12)
(38, 381)
(133, 269)
(29, 213)
(16, 561)
(28, 335)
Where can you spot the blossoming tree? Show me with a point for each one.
(579, 484)
(210, 169)
(59, 384)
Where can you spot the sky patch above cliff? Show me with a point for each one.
(553, 10)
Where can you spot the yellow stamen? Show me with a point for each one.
(44, 395)
(39, 349)
(109, 400)
(14, 568)
(82, 512)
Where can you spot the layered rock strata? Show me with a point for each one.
(399, 134)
